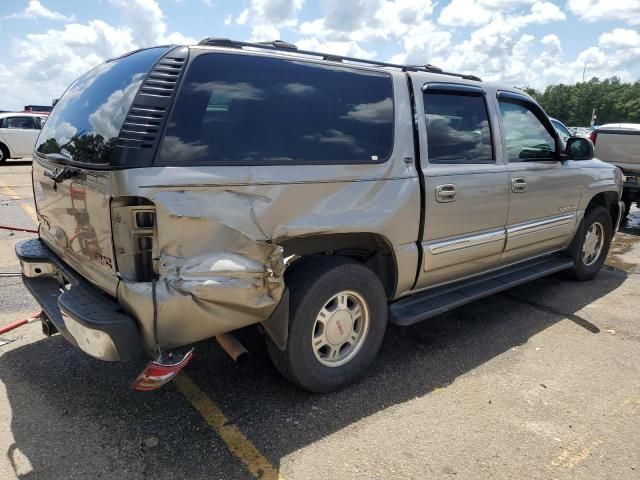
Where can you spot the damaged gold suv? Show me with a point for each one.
(186, 192)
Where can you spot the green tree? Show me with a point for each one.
(613, 101)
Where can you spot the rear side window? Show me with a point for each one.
(526, 136)
(458, 129)
(244, 109)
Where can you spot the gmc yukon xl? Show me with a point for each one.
(187, 192)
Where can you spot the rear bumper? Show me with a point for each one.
(86, 317)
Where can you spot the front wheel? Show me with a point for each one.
(337, 320)
(590, 247)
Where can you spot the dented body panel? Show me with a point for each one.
(217, 232)
(217, 249)
(194, 251)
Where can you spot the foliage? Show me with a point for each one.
(615, 102)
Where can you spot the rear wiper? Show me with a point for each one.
(60, 174)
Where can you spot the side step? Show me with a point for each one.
(430, 303)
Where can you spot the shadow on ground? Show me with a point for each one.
(73, 417)
(16, 163)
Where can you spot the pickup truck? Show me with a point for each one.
(186, 192)
(619, 144)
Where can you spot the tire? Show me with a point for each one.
(4, 153)
(587, 266)
(314, 287)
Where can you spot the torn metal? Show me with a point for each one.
(213, 278)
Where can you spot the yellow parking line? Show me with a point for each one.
(236, 441)
(25, 206)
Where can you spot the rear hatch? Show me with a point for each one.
(619, 146)
(76, 159)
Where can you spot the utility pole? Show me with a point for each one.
(584, 71)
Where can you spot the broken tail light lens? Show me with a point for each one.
(160, 371)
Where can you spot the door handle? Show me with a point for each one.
(518, 185)
(446, 193)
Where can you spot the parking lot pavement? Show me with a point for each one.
(542, 381)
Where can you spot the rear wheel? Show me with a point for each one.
(590, 247)
(337, 320)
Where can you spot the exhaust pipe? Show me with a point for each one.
(233, 348)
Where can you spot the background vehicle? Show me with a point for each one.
(18, 134)
(38, 109)
(563, 131)
(315, 195)
(619, 144)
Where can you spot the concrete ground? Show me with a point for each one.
(542, 381)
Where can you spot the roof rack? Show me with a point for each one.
(281, 45)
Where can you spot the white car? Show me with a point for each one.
(18, 134)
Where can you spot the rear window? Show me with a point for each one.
(244, 109)
(86, 121)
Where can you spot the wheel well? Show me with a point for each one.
(5, 149)
(367, 248)
(608, 200)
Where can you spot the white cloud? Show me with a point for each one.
(36, 9)
(243, 17)
(266, 17)
(145, 19)
(346, 48)
(601, 10)
(46, 63)
(620, 37)
(462, 13)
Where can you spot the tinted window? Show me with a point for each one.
(87, 119)
(248, 109)
(457, 128)
(20, 122)
(526, 136)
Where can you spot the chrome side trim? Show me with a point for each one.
(539, 225)
(466, 242)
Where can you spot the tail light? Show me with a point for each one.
(593, 136)
(134, 225)
(160, 371)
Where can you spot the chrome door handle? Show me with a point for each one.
(446, 193)
(518, 185)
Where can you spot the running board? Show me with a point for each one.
(435, 301)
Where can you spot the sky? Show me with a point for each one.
(46, 44)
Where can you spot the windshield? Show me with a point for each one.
(86, 121)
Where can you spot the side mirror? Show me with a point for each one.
(579, 148)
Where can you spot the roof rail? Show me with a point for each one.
(282, 45)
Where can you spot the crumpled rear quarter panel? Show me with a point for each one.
(219, 228)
